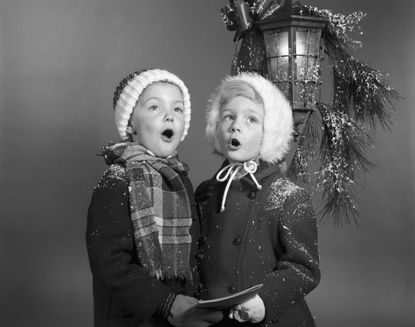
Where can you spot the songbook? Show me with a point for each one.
(230, 301)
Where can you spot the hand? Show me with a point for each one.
(183, 313)
(252, 310)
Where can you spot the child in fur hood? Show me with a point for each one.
(141, 219)
(257, 227)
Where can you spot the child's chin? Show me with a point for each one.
(233, 157)
(164, 152)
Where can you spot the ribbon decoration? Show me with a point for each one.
(241, 15)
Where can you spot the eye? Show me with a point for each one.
(179, 110)
(228, 117)
(252, 120)
(154, 107)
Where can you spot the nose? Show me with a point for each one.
(236, 126)
(168, 116)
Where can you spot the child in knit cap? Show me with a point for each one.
(141, 219)
(257, 227)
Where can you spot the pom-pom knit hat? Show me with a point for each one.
(278, 118)
(130, 89)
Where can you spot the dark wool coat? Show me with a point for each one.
(264, 236)
(124, 293)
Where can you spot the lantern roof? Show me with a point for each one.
(292, 13)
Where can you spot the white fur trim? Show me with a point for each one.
(278, 117)
(132, 91)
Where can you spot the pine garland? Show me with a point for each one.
(359, 89)
(361, 98)
(342, 159)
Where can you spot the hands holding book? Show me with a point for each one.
(253, 310)
(244, 306)
(184, 313)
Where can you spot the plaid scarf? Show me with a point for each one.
(160, 210)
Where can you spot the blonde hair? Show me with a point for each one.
(235, 88)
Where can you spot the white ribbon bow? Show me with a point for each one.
(229, 172)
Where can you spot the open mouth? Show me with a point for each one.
(234, 144)
(167, 134)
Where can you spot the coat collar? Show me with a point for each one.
(264, 170)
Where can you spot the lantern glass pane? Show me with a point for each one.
(314, 42)
(283, 68)
(301, 67)
(307, 68)
(282, 43)
(278, 68)
(307, 42)
(301, 44)
(276, 43)
(299, 92)
(313, 69)
(311, 94)
(272, 69)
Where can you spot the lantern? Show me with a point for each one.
(293, 55)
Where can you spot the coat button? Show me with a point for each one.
(236, 241)
(252, 195)
(232, 289)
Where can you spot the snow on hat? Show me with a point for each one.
(277, 122)
(130, 89)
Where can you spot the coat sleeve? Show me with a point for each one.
(112, 254)
(297, 271)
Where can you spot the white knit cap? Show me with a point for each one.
(129, 94)
(278, 118)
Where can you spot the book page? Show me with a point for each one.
(231, 300)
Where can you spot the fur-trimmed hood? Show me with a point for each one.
(278, 117)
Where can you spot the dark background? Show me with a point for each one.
(60, 61)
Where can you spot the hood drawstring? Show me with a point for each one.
(230, 171)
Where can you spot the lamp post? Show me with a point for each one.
(293, 55)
